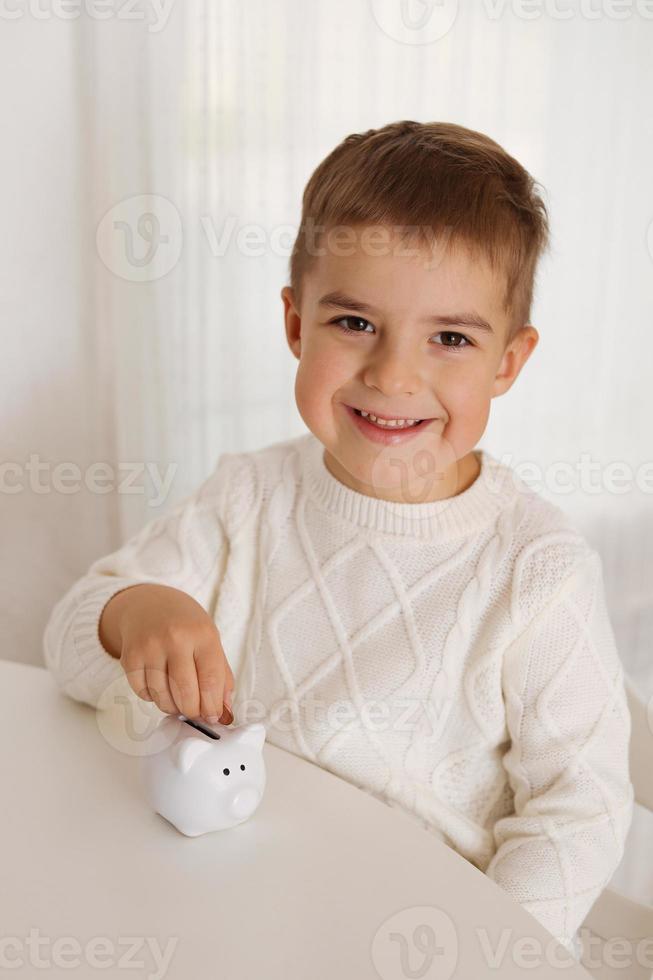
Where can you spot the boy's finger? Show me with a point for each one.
(156, 678)
(136, 680)
(182, 678)
(211, 679)
(228, 694)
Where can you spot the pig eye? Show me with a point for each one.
(242, 767)
(226, 772)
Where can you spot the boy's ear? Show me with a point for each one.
(514, 357)
(292, 320)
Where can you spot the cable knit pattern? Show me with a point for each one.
(454, 658)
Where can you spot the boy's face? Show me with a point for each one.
(407, 356)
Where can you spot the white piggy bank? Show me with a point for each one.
(208, 777)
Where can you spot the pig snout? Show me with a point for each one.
(244, 802)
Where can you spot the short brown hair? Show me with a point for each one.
(452, 181)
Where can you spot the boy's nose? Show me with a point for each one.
(393, 372)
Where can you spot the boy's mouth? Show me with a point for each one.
(382, 430)
(387, 421)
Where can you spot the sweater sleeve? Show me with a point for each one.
(568, 761)
(186, 549)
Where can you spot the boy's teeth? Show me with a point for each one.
(389, 423)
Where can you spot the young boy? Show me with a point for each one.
(395, 605)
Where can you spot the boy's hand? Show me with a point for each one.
(170, 650)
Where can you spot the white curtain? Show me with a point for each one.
(188, 135)
(225, 112)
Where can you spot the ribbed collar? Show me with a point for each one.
(475, 508)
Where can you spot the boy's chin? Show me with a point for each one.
(379, 475)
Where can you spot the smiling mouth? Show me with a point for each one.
(388, 421)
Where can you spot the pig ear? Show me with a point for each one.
(251, 735)
(187, 751)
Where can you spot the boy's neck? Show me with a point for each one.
(457, 478)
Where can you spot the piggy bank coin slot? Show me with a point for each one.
(200, 727)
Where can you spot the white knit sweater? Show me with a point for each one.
(454, 658)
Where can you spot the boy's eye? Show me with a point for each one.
(452, 339)
(456, 337)
(351, 319)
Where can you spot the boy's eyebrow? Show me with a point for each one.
(338, 299)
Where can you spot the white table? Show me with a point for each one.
(324, 881)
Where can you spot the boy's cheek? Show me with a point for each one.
(312, 395)
(467, 423)
(321, 372)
